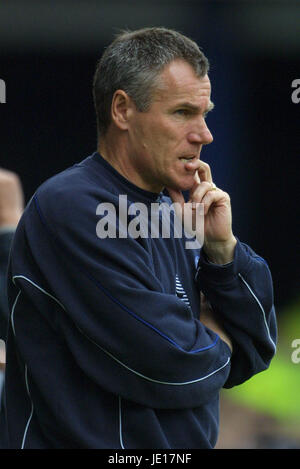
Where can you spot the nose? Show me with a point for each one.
(202, 135)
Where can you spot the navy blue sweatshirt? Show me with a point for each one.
(105, 348)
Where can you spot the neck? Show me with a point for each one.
(116, 153)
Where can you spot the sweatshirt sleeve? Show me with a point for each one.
(241, 293)
(123, 330)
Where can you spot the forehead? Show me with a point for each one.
(178, 81)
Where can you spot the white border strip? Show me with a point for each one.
(120, 424)
(12, 313)
(31, 413)
(261, 307)
(39, 288)
(26, 374)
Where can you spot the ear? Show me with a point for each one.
(121, 108)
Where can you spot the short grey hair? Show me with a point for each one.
(133, 63)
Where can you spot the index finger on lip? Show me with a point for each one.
(204, 172)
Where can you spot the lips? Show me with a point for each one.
(186, 159)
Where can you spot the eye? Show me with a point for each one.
(182, 112)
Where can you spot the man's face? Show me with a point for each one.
(173, 130)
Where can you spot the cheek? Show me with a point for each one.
(166, 141)
(154, 145)
(158, 140)
(147, 139)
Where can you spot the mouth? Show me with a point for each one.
(187, 159)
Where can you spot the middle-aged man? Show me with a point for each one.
(108, 345)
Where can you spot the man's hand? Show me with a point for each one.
(208, 318)
(219, 242)
(11, 198)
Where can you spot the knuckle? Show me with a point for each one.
(226, 195)
(206, 185)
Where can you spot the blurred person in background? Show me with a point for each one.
(109, 345)
(11, 208)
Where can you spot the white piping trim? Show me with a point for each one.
(261, 307)
(31, 413)
(169, 383)
(120, 424)
(12, 313)
(117, 360)
(39, 288)
(26, 374)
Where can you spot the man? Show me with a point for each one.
(107, 346)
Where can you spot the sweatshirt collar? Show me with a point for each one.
(134, 192)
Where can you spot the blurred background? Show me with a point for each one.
(48, 53)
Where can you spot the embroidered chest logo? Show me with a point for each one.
(180, 291)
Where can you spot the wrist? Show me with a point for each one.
(220, 252)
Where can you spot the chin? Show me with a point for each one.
(182, 185)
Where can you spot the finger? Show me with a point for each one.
(205, 172)
(197, 194)
(202, 169)
(215, 197)
(202, 174)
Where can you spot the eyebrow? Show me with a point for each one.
(196, 108)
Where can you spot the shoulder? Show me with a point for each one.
(71, 197)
